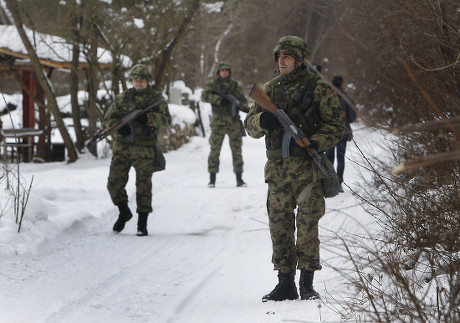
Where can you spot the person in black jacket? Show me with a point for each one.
(350, 117)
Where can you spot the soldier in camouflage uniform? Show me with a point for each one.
(224, 122)
(314, 107)
(140, 153)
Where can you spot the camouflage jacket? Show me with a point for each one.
(219, 105)
(144, 134)
(322, 120)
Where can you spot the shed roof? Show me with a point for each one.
(52, 51)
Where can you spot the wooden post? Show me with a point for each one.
(28, 112)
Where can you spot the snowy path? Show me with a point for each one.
(206, 259)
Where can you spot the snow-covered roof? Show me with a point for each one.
(52, 50)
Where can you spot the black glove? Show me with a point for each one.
(313, 145)
(142, 119)
(225, 101)
(124, 130)
(269, 122)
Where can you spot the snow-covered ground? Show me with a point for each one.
(207, 257)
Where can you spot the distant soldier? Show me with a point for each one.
(313, 106)
(226, 98)
(140, 153)
(350, 117)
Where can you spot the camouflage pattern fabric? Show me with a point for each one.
(291, 45)
(223, 123)
(287, 177)
(140, 71)
(141, 153)
(141, 158)
(131, 99)
(220, 126)
(281, 204)
(223, 66)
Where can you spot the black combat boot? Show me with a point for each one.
(285, 289)
(306, 285)
(124, 216)
(142, 224)
(239, 181)
(212, 180)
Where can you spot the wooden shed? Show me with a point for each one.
(32, 137)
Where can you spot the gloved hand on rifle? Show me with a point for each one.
(269, 122)
(124, 130)
(313, 145)
(225, 101)
(142, 119)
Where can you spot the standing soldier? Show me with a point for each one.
(226, 98)
(139, 152)
(314, 108)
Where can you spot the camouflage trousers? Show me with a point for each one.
(219, 129)
(142, 159)
(289, 252)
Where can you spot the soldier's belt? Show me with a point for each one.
(278, 153)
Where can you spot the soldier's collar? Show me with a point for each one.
(295, 75)
(143, 91)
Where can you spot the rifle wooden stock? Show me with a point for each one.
(262, 99)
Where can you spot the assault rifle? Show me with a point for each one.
(290, 129)
(128, 119)
(236, 104)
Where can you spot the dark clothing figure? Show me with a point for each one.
(224, 121)
(140, 151)
(350, 117)
(316, 68)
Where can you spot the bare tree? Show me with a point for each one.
(76, 22)
(164, 61)
(42, 79)
(403, 57)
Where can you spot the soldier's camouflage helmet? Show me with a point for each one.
(140, 71)
(291, 45)
(223, 66)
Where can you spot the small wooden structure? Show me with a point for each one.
(54, 53)
(22, 144)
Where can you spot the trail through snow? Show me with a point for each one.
(206, 259)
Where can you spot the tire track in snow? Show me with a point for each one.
(225, 252)
(92, 296)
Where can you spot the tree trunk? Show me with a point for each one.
(165, 60)
(92, 92)
(42, 79)
(76, 115)
(91, 73)
(43, 146)
(74, 70)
